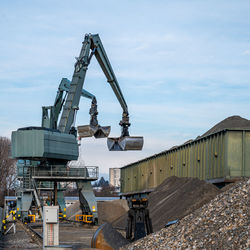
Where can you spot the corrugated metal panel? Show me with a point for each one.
(225, 154)
(246, 164)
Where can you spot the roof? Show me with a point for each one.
(187, 143)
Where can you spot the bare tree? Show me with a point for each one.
(7, 168)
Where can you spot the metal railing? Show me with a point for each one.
(26, 169)
(87, 172)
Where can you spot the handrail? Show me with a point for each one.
(88, 172)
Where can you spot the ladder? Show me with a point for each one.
(26, 184)
(37, 199)
(84, 204)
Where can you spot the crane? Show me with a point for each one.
(50, 119)
(92, 45)
(50, 147)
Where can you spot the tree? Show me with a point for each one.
(101, 183)
(7, 168)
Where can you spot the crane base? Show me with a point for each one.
(125, 143)
(97, 132)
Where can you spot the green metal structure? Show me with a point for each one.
(47, 150)
(217, 158)
(40, 143)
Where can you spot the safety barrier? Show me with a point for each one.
(86, 218)
(32, 217)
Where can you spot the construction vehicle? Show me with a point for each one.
(47, 150)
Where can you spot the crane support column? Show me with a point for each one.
(87, 199)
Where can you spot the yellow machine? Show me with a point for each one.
(86, 218)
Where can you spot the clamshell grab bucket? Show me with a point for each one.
(97, 132)
(125, 143)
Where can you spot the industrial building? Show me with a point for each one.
(114, 177)
(219, 157)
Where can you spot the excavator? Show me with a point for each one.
(50, 148)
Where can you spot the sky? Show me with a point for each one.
(183, 66)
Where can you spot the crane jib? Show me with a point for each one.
(92, 45)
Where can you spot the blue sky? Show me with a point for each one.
(183, 66)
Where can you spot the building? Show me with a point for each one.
(219, 158)
(114, 177)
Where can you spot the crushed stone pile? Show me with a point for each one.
(73, 210)
(230, 122)
(177, 197)
(111, 238)
(173, 199)
(108, 211)
(223, 223)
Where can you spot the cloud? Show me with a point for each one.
(246, 52)
(180, 66)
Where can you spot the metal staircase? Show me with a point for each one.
(26, 182)
(84, 204)
(37, 199)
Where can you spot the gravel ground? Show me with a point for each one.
(20, 240)
(223, 223)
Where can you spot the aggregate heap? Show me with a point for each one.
(173, 199)
(223, 223)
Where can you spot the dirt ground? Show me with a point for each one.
(77, 236)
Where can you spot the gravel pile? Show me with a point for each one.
(108, 211)
(177, 197)
(73, 210)
(112, 237)
(173, 199)
(222, 223)
(230, 122)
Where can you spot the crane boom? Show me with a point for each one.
(91, 43)
(103, 60)
(74, 94)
